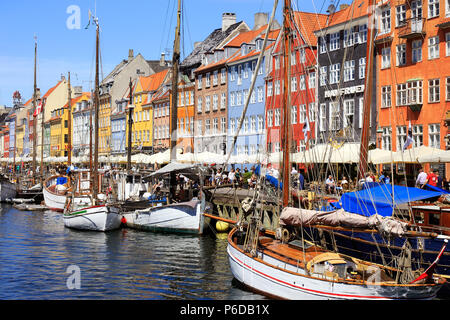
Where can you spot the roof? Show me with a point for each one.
(356, 9)
(211, 41)
(153, 81)
(49, 92)
(307, 22)
(247, 37)
(75, 100)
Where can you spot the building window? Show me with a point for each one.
(416, 51)
(233, 73)
(447, 43)
(334, 41)
(277, 62)
(348, 38)
(294, 84)
(433, 90)
(238, 98)
(401, 137)
(447, 88)
(293, 60)
(400, 15)
(239, 75)
(335, 73)
(277, 87)
(215, 77)
(349, 113)
(362, 33)
(277, 117)
(253, 124)
(215, 102)
(401, 54)
(334, 115)
(302, 82)
(302, 54)
(215, 125)
(232, 126)
(433, 47)
(232, 99)
(223, 76)
(294, 115)
(433, 8)
(246, 70)
(447, 8)
(401, 94)
(207, 80)
(260, 94)
(386, 96)
(207, 103)
(312, 112)
(323, 117)
(269, 89)
(253, 97)
(223, 100)
(386, 138)
(312, 80)
(303, 113)
(386, 57)
(322, 45)
(207, 126)
(260, 123)
(415, 92)
(349, 70)
(385, 20)
(362, 67)
(434, 136)
(269, 118)
(323, 76)
(417, 135)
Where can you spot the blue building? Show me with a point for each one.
(119, 128)
(251, 138)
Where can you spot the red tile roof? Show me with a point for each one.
(356, 9)
(51, 90)
(307, 23)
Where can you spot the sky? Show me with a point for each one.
(146, 26)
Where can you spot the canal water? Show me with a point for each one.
(41, 259)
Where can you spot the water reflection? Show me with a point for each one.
(36, 250)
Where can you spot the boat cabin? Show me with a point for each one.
(433, 218)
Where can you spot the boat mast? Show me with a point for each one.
(174, 102)
(287, 36)
(365, 134)
(130, 128)
(34, 114)
(69, 126)
(94, 170)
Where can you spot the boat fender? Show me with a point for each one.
(278, 233)
(285, 236)
(123, 220)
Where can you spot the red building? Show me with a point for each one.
(303, 79)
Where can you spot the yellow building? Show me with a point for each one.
(142, 136)
(54, 99)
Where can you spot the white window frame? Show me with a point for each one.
(434, 91)
(349, 70)
(433, 47)
(416, 51)
(334, 41)
(401, 54)
(433, 8)
(434, 135)
(386, 97)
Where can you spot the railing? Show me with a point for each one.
(411, 28)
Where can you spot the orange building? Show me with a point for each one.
(413, 72)
(185, 114)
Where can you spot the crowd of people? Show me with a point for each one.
(432, 178)
(235, 177)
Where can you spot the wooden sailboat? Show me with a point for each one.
(87, 211)
(181, 217)
(290, 267)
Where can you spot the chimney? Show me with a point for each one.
(77, 91)
(331, 9)
(130, 55)
(228, 19)
(261, 19)
(343, 6)
(162, 61)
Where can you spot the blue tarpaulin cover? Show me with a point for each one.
(274, 181)
(377, 198)
(61, 180)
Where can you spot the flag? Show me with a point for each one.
(90, 14)
(409, 139)
(429, 272)
(306, 129)
(38, 109)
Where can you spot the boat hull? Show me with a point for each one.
(8, 190)
(97, 218)
(275, 278)
(184, 217)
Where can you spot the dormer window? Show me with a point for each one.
(258, 45)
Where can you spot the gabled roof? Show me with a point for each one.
(49, 92)
(153, 81)
(80, 97)
(307, 22)
(207, 45)
(357, 9)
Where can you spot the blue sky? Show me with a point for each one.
(146, 26)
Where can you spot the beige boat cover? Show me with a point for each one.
(341, 218)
